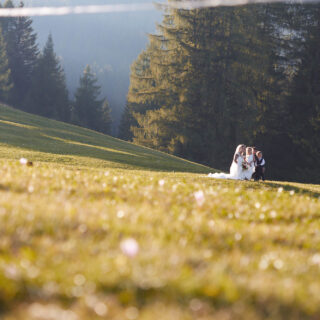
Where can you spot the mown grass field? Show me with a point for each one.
(200, 248)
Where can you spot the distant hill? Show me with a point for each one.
(108, 42)
(41, 139)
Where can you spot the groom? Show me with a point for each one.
(260, 167)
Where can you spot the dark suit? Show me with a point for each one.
(260, 169)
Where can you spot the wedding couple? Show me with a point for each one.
(247, 164)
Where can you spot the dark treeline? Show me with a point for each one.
(35, 82)
(213, 78)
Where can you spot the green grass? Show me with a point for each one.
(240, 250)
(45, 140)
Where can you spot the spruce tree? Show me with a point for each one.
(48, 95)
(22, 54)
(303, 102)
(87, 106)
(5, 83)
(126, 122)
(105, 118)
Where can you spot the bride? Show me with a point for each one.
(236, 169)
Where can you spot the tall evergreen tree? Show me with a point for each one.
(5, 83)
(22, 54)
(87, 102)
(48, 95)
(126, 122)
(303, 103)
(105, 118)
(90, 111)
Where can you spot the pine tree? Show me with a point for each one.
(127, 120)
(303, 103)
(105, 118)
(22, 54)
(48, 95)
(87, 107)
(5, 83)
(6, 22)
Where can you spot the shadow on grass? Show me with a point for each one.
(268, 306)
(297, 189)
(29, 132)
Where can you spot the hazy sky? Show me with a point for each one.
(108, 42)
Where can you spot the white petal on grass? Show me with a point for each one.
(195, 304)
(23, 161)
(264, 264)
(238, 236)
(79, 280)
(200, 198)
(273, 214)
(278, 264)
(315, 259)
(101, 309)
(211, 223)
(129, 247)
(120, 214)
(132, 313)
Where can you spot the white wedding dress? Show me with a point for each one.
(236, 171)
(249, 172)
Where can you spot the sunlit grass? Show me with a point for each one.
(80, 239)
(41, 139)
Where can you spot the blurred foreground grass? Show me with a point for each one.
(92, 240)
(207, 249)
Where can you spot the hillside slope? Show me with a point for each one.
(42, 139)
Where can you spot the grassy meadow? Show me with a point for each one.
(98, 228)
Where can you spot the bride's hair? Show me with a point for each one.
(238, 151)
(239, 148)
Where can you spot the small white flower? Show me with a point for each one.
(199, 196)
(132, 313)
(23, 161)
(161, 183)
(79, 280)
(315, 259)
(273, 214)
(278, 264)
(120, 214)
(100, 309)
(257, 205)
(211, 223)
(264, 264)
(129, 247)
(280, 190)
(238, 236)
